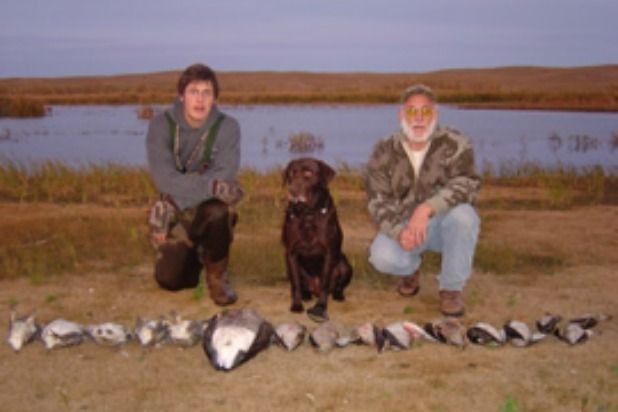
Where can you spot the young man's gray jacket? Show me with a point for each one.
(447, 178)
(193, 187)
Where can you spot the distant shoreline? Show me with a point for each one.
(590, 88)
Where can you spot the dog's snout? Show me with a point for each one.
(297, 198)
(299, 187)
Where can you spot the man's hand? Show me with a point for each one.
(158, 238)
(415, 233)
(406, 239)
(228, 191)
(162, 217)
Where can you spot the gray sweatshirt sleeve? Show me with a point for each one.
(189, 189)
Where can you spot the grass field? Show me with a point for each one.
(74, 246)
(100, 213)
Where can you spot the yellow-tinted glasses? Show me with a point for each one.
(411, 112)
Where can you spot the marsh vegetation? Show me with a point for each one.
(96, 216)
(591, 88)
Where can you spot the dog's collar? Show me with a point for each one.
(304, 211)
(321, 207)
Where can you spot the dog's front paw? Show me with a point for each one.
(317, 313)
(297, 308)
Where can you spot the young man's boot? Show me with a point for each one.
(451, 303)
(221, 291)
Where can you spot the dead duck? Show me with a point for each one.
(370, 334)
(519, 334)
(151, 332)
(184, 332)
(483, 333)
(324, 336)
(590, 320)
(232, 337)
(22, 330)
(290, 335)
(417, 332)
(109, 334)
(398, 336)
(579, 329)
(573, 333)
(447, 330)
(62, 333)
(346, 336)
(548, 323)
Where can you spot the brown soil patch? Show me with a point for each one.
(584, 235)
(550, 376)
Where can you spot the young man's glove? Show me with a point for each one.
(228, 191)
(162, 217)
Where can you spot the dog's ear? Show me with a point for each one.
(284, 174)
(326, 172)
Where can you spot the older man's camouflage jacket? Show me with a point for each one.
(447, 178)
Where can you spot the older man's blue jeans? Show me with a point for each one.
(453, 234)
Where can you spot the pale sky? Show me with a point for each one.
(80, 37)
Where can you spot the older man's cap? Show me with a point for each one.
(418, 89)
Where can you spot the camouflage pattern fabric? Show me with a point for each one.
(166, 218)
(162, 216)
(447, 178)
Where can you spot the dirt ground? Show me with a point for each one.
(549, 376)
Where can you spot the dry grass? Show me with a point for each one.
(576, 88)
(547, 377)
(21, 107)
(102, 264)
(62, 220)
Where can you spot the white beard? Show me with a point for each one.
(412, 137)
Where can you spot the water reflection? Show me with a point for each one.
(613, 141)
(5, 135)
(302, 142)
(338, 134)
(575, 143)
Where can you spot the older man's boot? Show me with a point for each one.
(451, 303)
(409, 285)
(221, 291)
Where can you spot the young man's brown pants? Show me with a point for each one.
(200, 238)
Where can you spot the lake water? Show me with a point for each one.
(345, 134)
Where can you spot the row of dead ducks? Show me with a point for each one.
(234, 336)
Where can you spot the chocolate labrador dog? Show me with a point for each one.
(312, 238)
